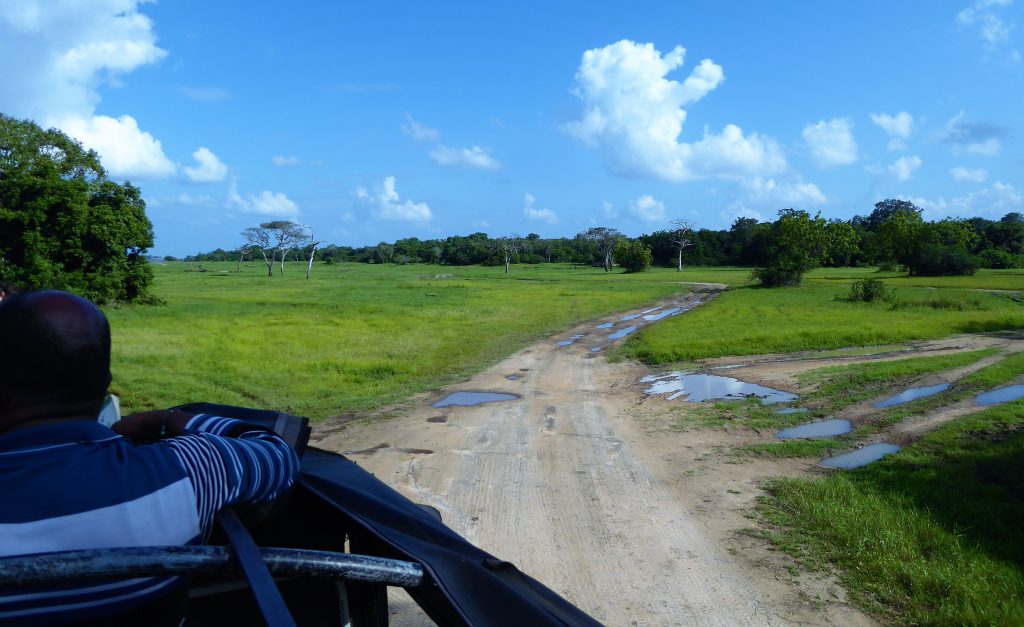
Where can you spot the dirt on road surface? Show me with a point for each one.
(577, 484)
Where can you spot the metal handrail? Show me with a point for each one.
(66, 566)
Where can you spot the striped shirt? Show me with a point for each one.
(79, 485)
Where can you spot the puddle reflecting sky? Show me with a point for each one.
(629, 317)
(662, 314)
(793, 410)
(621, 333)
(647, 311)
(565, 342)
(704, 387)
(605, 325)
(820, 429)
(861, 456)
(469, 399)
(912, 394)
(1001, 395)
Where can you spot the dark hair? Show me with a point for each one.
(54, 347)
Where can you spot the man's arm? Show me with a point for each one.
(228, 461)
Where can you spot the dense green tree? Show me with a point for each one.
(798, 244)
(63, 224)
(632, 255)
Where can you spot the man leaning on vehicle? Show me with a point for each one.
(68, 482)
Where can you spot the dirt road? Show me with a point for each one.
(567, 482)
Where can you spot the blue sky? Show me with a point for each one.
(372, 123)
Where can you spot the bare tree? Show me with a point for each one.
(682, 236)
(605, 238)
(286, 235)
(259, 237)
(509, 246)
(313, 243)
(242, 250)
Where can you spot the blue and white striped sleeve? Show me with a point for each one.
(253, 466)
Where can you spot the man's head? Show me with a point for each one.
(54, 356)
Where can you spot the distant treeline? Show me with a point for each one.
(893, 234)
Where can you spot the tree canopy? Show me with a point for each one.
(63, 224)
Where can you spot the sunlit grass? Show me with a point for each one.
(352, 338)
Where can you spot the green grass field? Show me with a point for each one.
(750, 321)
(352, 338)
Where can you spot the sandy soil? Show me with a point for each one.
(580, 484)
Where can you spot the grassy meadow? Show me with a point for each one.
(750, 321)
(351, 338)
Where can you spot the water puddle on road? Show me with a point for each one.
(704, 387)
(596, 349)
(470, 399)
(605, 325)
(793, 410)
(513, 377)
(662, 314)
(621, 333)
(911, 394)
(566, 342)
(1002, 395)
(629, 317)
(820, 429)
(861, 456)
(576, 337)
(647, 311)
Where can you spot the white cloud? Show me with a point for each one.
(608, 210)
(905, 166)
(54, 57)
(647, 209)
(265, 203)
(831, 142)
(210, 169)
(537, 215)
(961, 173)
(282, 160)
(899, 125)
(474, 158)
(992, 28)
(897, 144)
(418, 131)
(782, 194)
(386, 204)
(633, 115)
(201, 200)
(124, 148)
(993, 202)
(976, 138)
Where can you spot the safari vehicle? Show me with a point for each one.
(324, 554)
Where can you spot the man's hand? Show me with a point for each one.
(150, 426)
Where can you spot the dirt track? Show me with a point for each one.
(630, 523)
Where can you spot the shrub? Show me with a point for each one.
(869, 291)
(1000, 259)
(942, 261)
(633, 256)
(778, 275)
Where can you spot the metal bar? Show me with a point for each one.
(69, 566)
(261, 583)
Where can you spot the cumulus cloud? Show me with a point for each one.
(418, 131)
(904, 167)
(209, 169)
(977, 138)
(993, 202)
(608, 210)
(769, 192)
(55, 57)
(961, 173)
(386, 204)
(633, 115)
(537, 215)
(475, 158)
(124, 148)
(994, 31)
(898, 127)
(647, 209)
(265, 203)
(282, 160)
(831, 142)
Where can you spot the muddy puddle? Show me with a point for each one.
(912, 394)
(604, 325)
(629, 317)
(662, 314)
(820, 429)
(596, 349)
(793, 410)
(1002, 395)
(566, 342)
(861, 457)
(652, 309)
(471, 399)
(621, 333)
(706, 387)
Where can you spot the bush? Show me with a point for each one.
(942, 261)
(1000, 259)
(869, 291)
(633, 256)
(778, 274)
